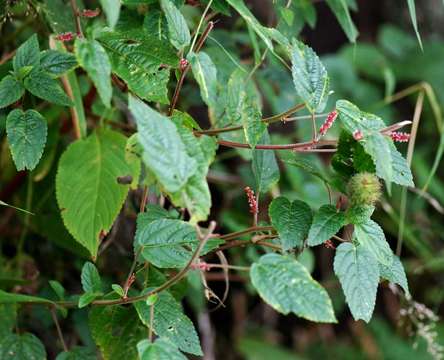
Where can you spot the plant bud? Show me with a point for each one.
(364, 189)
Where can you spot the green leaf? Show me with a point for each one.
(58, 289)
(23, 347)
(205, 73)
(370, 235)
(292, 221)
(327, 221)
(8, 314)
(358, 273)
(309, 77)
(78, 353)
(171, 323)
(39, 83)
(112, 11)
(11, 90)
(307, 166)
(142, 61)
(395, 273)
(402, 174)
(87, 190)
(94, 59)
(353, 119)
(161, 349)
(10, 298)
(265, 167)
(28, 54)
(177, 25)
(412, 11)
(27, 137)
(342, 13)
(164, 151)
(116, 330)
(251, 118)
(90, 277)
(57, 62)
(118, 290)
(288, 287)
(87, 298)
(358, 214)
(378, 147)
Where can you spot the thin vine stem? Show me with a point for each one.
(59, 330)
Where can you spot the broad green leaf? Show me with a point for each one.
(164, 151)
(90, 278)
(87, 190)
(288, 287)
(8, 314)
(11, 298)
(39, 83)
(87, 298)
(78, 353)
(205, 73)
(28, 54)
(358, 214)
(342, 13)
(27, 137)
(309, 77)
(402, 174)
(94, 59)
(353, 119)
(168, 243)
(358, 273)
(370, 235)
(292, 221)
(112, 11)
(177, 25)
(195, 196)
(251, 118)
(161, 349)
(171, 323)
(142, 61)
(57, 62)
(395, 273)
(327, 221)
(265, 167)
(412, 11)
(378, 147)
(23, 347)
(116, 330)
(11, 90)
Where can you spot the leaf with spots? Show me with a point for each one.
(23, 347)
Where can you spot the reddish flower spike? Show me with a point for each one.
(329, 244)
(183, 64)
(328, 122)
(201, 265)
(252, 202)
(88, 13)
(68, 36)
(400, 136)
(357, 135)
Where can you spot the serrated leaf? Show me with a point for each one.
(370, 235)
(11, 90)
(358, 273)
(171, 323)
(116, 330)
(265, 167)
(402, 175)
(342, 13)
(56, 62)
(395, 273)
(412, 11)
(353, 119)
(205, 73)
(94, 59)
(251, 118)
(87, 190)
(23, 347)
(87, 298)
(309, 76)
(142, 61)
(28, 54)
(39, 83)
(112, 11)
(177, 25)
(168, 243)
(161, 349)
(378, 147)
(327, 221)
(288, 287)
(292, 221)
(90, 278)
(27, 137)
(358, 214)
(78, 353)
(164, 151)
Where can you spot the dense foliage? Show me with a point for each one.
(114, 126)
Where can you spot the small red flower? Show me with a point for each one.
(201, 265)
(252, 202)
(328, 122)
(329, 244)
(88, 13)
(183, 64)
(68, 36)
(357, 135)
(400, 136)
